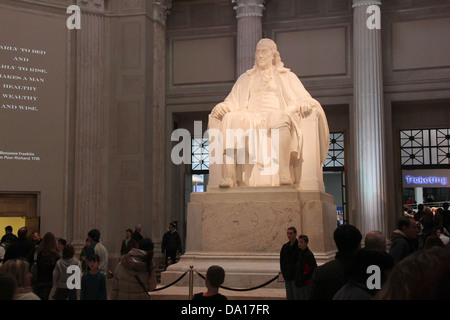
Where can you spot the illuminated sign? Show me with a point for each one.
(426, 180)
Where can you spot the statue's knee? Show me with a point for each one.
(234, 119)
(279, 119)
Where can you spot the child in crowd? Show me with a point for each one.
(61, 244)
(93, 282)
(60, 275)
(215, 277)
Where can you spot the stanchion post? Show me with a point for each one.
(191, 282)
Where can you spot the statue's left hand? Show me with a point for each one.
(306, 108)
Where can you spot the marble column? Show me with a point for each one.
(160, 220)
(89, 121)
(367, 121)
(249, 31)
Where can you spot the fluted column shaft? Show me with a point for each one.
(160, 219)
(368, 121)
(89, 124)
(249, 31)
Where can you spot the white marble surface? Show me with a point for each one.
(243, 230)
(267, 97)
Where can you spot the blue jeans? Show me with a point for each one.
(302, 293)
(295, 293)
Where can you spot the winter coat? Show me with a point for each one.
(93, 286)
(353, 291)
(126, 247)
(306, 264)
(288, 260)
(401, 246)
(125, 286)
(60, 274)
(137, 236)
(9, 238)
(171, 241)
(328, 278)
(22, 248)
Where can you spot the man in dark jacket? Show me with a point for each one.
(22, 248)
(171, 244)
(328, 278)
(360, 286)
(9, 236)
(137, 234)
(404, 239)
(288, 262)
(446, 216)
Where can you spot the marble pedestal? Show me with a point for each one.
(243, 229)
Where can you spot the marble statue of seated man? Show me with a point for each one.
(266, 98)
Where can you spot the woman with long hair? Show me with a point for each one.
(47, 256)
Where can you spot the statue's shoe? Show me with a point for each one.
(285, 180)
(226, 183)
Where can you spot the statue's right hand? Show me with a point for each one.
(220, 110)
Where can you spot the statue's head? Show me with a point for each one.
(266, 54)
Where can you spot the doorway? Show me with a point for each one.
(335, 185)
(19, 210)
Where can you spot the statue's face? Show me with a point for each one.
(263, 56)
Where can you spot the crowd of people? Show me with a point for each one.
(33, 267)
(432, 222)
(416, 266)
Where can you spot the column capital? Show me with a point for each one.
(248, 8)
(161, 10)
(359, 3)
(95, 6)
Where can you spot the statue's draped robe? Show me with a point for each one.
(293, 94)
